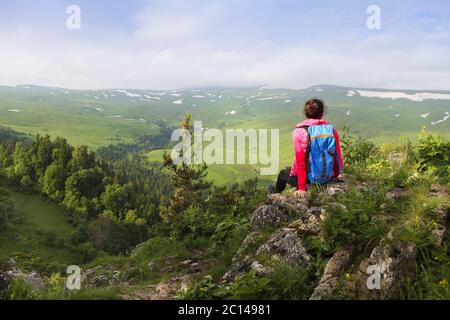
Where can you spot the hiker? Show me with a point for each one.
(318, 157)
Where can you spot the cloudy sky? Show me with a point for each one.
(167, 44)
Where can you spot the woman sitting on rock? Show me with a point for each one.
(318, 157)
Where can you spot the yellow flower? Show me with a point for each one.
(443, 283)
(348, 277)
(56, 279)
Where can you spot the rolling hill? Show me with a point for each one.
(101, 117)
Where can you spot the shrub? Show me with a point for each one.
(116, 238)
(18, 289)
(434, 153)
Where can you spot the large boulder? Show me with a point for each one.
(286, 246)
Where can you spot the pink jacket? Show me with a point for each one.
(300, 138)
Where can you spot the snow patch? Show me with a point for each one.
(129, 94)
(94, 108)
(417, 97)
(13, 110)
(425, 115)
(178, 101)
(447, 115)
(264, 99)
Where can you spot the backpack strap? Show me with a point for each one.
(308, 149)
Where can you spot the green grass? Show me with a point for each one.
(58, 113)
(34, 217)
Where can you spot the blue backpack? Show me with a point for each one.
(321, 153)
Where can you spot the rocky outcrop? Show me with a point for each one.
(268, 215)
(286, 246)
(391, 264)
(277, 211)
(249, 240)
(292, 218)
(295, 222)
(100, 276)
(310, 222)
(290, 204)
(32, 279)
(333, 271)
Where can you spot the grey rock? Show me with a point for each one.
(195, 267)
(238, 268)
(100, 281)
(268, 215)
(335, 188)
(310, 223)
(292, 204)
(398, 194)
(317, 211)
(260, 269)
(333, 270)
(395, 262)
(35, 280)
(248, 241)
(438, 190)
(287, 247)
(439, 233)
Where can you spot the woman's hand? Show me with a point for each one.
(300, 193)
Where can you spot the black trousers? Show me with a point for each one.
(284, 177)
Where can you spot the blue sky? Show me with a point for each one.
(167, 44)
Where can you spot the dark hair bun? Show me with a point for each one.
(314, 109)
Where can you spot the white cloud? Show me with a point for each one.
(177, 45)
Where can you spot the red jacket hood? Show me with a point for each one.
(312, 122)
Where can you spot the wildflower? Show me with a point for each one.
(443, 283)
(348, 277)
